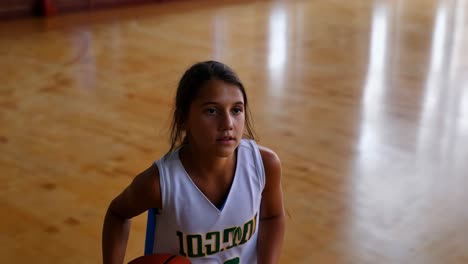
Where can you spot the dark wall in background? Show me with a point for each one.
(25, 8)
(16, 8)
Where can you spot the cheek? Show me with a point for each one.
(207, 121)
(240, 122)
(205, 124)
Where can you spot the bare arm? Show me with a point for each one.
(142, 194)
(272, 223)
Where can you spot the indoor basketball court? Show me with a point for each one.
(365, 102)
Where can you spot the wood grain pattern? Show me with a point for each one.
(366, 102)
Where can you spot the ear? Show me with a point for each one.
(184, 129)
(184, 137)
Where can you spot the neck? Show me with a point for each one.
(205, 165)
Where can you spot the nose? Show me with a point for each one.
(227, 122)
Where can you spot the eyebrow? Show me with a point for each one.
(210, 103)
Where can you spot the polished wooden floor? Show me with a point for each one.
(366, 102)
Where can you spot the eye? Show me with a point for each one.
(238, 110)
(211, 111)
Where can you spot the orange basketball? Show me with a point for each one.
(160, 259)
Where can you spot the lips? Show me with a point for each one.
(225, 138)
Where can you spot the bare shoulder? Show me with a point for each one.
(272, 195)
(272, 166)
(143, 193)
(148, 183)
(270, 159)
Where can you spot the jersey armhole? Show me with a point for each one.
(162, 182)
(259, 163)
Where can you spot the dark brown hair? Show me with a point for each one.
(189, 86)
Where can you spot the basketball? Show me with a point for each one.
(160, 259)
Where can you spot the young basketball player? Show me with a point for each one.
(218, 193)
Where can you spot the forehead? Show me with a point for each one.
(220, 92)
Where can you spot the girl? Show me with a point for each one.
(217, 192)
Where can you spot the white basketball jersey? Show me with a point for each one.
(190, 225)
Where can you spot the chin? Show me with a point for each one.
(224, 152)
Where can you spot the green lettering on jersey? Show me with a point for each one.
(237, 237)
(196, 246)
(228, 237)
(248, 231)
(214, 247)
(198, 243)
(233, 261)
(180, 235)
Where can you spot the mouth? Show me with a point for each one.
(225, 139)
